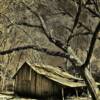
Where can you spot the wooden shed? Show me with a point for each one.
(36, 81)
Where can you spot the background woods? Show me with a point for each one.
(62, 33)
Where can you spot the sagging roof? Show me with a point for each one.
(55, 74)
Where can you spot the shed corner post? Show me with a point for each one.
(62, 92)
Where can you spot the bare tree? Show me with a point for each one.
(75, 27)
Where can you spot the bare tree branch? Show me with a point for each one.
(80, 34)
(90, 10)
(75, 35)
(93, 12)
(88, 78)
(96, 5)
(28, 24)
(47, 33)
(88, 2)
(77, 15)
(92, 44)
(44, 50)
(79, 22)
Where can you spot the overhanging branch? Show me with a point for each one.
(43, 50)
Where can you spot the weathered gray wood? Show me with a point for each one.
(74, 59)
(86, 75)
(91, 84)
(63, 94)
(30, 83)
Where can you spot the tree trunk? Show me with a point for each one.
(91, 84)
(86, 75)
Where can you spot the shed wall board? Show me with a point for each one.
(28, 82)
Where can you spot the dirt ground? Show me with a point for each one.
(11, 96)
(4, 97)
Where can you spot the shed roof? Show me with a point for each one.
(54, 74)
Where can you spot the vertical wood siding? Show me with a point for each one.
(28, 82)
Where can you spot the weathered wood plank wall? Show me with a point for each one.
(29, 83)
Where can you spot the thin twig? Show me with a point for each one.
(75, 35)
(93, 12)
(96, 5)
(77, 15)
(28, 24)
